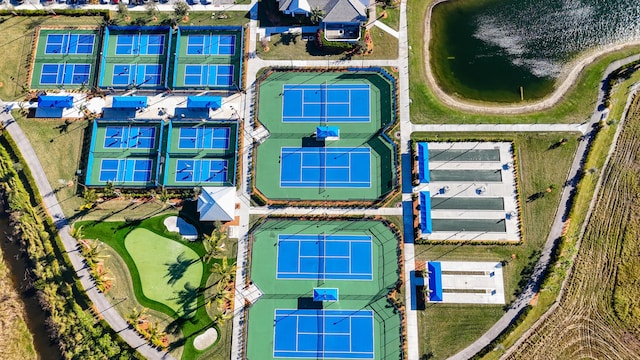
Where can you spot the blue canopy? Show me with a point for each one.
(425, 212)
(204, 102)
(55, 101)
(325, 294)
(323, 132)
(129, 102)
(435, 280)
(423, 162)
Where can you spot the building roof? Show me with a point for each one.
(334, 10)
(323, 132)
(55, 101)
(217, 203)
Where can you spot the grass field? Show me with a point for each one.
(166, 268)
(393, 16)
(17, 36)
(575, 107)
(587, 323)
(534, 154)
(195, 18)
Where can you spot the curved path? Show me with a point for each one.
(50, 203)
(554, 234)
(568, 79)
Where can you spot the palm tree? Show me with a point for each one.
(135, 316)
(227, 272)
(76, 232)
(219, 318)
(221, 296)
(317, 15)
(214, 243)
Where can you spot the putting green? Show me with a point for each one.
(170, 272)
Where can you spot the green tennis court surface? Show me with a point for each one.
(292, 105)
(359, 258)
(167, 269)
(64, 59)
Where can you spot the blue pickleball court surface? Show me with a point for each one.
(69, 44)
(139, 44)
(65, 74)
(323, 103)
(335, 257)
(211, 44)
(204, 137)
(137, 74)
(126, 170)
(208, 75)
(130, 137)
(202, 171)
(324, 167)
(323, 334)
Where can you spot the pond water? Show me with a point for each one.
(488, 49)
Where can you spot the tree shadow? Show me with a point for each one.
(186, 298)
(176, 270)
(535, 196)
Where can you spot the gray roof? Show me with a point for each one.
(335, 10)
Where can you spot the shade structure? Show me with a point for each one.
(217, 203)
(327, 133)
(55, 101)
(204, 102)
(325, 294)
(435, 280)
(425, 212)
(129, 102)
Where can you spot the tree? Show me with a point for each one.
(152, 10)
(220, 318)
(181, 9)
(317, 15)
(90, 196)
(136, 316)
(123, 10)
(214, 243)
(226, 271)
(221, 296)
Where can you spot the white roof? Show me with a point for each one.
(297, 5)
(217, 203)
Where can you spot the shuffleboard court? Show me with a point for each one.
(139, 44)
(126, 137)
(69, 43)
(201, 170)
(211, 44)
(325, 167)
(204, 137)
(322, 103)
(323, 334)
(137, 74)
(208, 75)
(67, 74)
(126, 170)
(336, 257)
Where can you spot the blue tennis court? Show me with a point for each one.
(208, 75)
(211, 44)
(335, 257)
(323, 334)
(325, 167)
(202, 170)
(126, 170)
(326, 103)
(137, 74)
(65, 74)
(69, 44)
(204, 137)
(139, 44)
(130, 137)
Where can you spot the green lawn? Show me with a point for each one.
(393, 16)
(182, 329)
(169, 271)
(195, 18)
(576, 106)
(540, 165)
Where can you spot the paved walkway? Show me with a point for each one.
(51, 204)
(387, 29)
(554, 235)
(581, 128)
